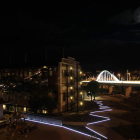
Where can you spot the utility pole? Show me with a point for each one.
(77, 86)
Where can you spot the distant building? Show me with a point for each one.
(61, 77)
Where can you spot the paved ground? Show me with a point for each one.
(47, 132)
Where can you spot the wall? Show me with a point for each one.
(1, 111)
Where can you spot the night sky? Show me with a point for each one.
(99, 36)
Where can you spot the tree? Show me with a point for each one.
(50, 104)
(92, 88)
(17, 128)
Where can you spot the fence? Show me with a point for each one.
(44, 119)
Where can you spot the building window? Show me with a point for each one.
(64, 96)
(63, 72)
(30, 73)
(21, 74)
(50, 73)
(25, 73)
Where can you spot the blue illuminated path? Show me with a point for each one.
(86, 130)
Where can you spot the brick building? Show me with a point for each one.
(62, 77)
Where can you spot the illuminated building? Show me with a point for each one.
(60, 77)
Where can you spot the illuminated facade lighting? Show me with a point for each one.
(71, 68)
(4, 107)
(81, 103)
(71, 87)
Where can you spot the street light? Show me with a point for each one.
(81, 103)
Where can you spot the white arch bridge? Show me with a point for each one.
(105, 77)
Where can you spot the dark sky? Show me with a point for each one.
(100, 36)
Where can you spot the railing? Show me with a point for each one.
(43, 119)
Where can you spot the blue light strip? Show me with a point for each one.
(65, 128)
(104, 109)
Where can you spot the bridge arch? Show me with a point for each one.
(106, 76)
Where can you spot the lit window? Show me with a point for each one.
(24, 109)
(50, 73)
(30, 73)
(4, 107)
